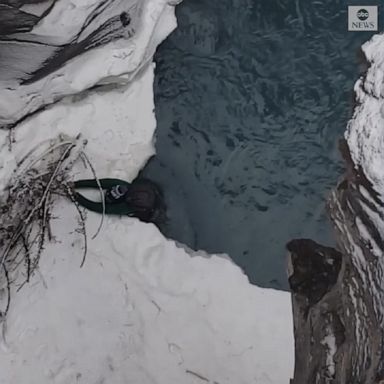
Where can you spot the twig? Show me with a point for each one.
(29, 153)
(11, 138)
(26, 213)
(82, 223)
(4, 313)
(41, 235)
(17, 234)
(55, 172)
(85, 157)
(27, 257)
(197, 375)
(45, 153)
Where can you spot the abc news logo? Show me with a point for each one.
(362, 18)
(362, 15)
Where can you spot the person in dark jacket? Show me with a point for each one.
(142, 198)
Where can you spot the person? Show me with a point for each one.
(142, 198)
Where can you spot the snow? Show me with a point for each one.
(141, 310)
(365, 133)
(364, 233)
(119, 60)
(38, 8)
(329, 342)
(121, 137)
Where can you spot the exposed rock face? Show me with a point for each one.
(338, 296)
(315, 270)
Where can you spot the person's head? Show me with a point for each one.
(147, 201)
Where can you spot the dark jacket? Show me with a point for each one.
(117, 207)
(140, 199)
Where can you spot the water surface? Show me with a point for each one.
(251, 98)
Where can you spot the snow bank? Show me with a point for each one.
(364, 239)
(141, 310)
(119, 60)
(365, 133)
(365, 137)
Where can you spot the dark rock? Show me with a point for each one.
(315, 269)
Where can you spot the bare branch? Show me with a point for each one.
(86, 159)
(81, 222)
(4, 313)
(26, 212)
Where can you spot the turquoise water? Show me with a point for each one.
(251, 98)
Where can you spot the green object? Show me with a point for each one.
(105, 183)
(110, 209)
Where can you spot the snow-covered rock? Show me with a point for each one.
(365, 133)
(339, 337)
(79, 45)
(141, 310)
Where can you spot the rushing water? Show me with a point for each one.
(251, 98)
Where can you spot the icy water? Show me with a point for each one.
(251, 98)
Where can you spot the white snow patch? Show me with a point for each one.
(329, 342)
(38, 8)
(366, 195)
(356, 312)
